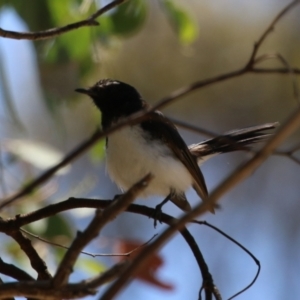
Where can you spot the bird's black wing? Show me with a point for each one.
(160, 127)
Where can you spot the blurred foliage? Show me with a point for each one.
(90, 266)
(40, 155)
(34, 12)
(122, 21)
(52, 228)
(7, 95)
(57, 229)
(66, 58)
(184, 26)
(126, 19)
(97, 151)
(57, 225)
(13, 249)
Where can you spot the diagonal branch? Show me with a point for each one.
(36, 262)
(13, 271)
(99, 221)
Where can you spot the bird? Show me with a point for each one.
(155, 146)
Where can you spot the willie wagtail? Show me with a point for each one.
(155, 146)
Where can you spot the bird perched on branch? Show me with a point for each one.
(155, 146)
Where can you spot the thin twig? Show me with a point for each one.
(88, 253)
(269, 29)
(295, 148)
(50, 33)
(194, 128)
(289, 155)
(283, 61)
(239, 245)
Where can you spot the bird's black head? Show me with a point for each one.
(115, 99)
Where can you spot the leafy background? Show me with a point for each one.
(157, 46)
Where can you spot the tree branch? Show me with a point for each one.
(50, 33)
(72, 203)
(257, 262)
(36, 262)
(282, 71)
(269, 29)
(99, 221)
(13, 271)
(44, 290)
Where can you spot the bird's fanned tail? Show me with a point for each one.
(231, 141)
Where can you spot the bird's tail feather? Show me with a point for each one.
(231, 141)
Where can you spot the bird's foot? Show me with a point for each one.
(157, 214)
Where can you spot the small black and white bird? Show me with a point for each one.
(155, 146)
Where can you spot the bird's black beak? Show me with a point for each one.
(82, 91)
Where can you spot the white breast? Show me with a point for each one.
(130, 156)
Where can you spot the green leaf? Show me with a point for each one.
(91, 266)
(63, 12)
(97, 152)
(128, 17)
(57, 225)
(75, 43)
(14, 250)
(182, 23)
(36, 14)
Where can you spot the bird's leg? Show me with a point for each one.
(158, 209)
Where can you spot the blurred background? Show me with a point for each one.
(158, 47)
